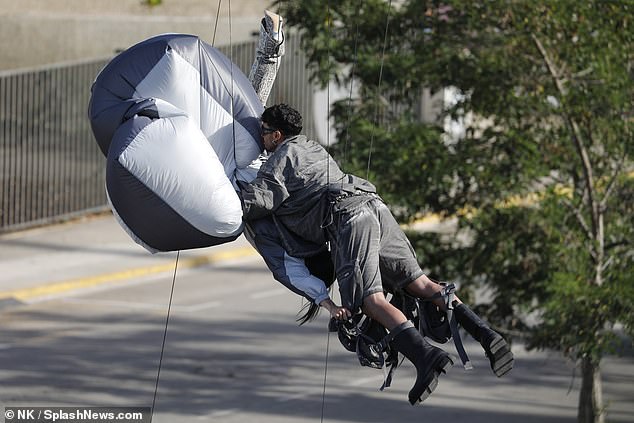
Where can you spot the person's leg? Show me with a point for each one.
(423, 287)
(495, 346)
(356, 239)
(377, 307)
(400, 271)
(429, 361)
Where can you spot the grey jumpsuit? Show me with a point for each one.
(313, 202)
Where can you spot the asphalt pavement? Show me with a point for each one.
(83, 313)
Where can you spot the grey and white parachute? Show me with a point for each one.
(178, 122)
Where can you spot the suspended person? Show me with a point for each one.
(312, 203)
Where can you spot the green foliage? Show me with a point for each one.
(544, 93)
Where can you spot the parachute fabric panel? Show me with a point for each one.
(112, 91)
(164, 111)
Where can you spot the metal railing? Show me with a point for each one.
(51, 166)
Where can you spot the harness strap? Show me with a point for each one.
(455, 334)
(448, 293)
(392, 359)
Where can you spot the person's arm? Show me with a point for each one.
(263, 196)
(312, 287)
(335, 311)
(288, 270)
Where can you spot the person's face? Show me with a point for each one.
(270, 137)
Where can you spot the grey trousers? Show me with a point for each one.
(370, 253)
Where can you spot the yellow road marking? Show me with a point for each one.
(57, 288)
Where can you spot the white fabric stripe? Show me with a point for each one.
(174, 160)
(173, 79)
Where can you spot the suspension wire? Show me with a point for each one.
(347, 141)
(213, 40)
(167, 319)
(233, 116)
(378, 90)
(171, 297)
(328, 22)
(323, 394)
(352, 75)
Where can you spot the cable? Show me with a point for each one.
(213, 40)
(378, 90)
(233, 116)
(352, 75)
(329, 21)
(169, 305)
(167, 319)
(323, 394)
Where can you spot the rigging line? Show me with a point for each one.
(233, 116)
(329, 22)
(213, 40)
(323, 394)
(378, 90)
(167, 319)
(352, 75)
(169, 305)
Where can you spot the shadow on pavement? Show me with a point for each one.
(66, 355)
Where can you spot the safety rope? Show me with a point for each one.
(347, 141)
(167, 318)
(213, 39)
(323, 393)
(351, 89)
(171, 297)
(329, 22)
(378, 90)
(233, 116)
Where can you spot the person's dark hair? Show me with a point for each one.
(320, 266)
(284, 118)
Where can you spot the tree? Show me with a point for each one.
(541, 180)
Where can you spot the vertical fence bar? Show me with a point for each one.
(4, 136)
(13, 170)
(38, 173)
(28, 146)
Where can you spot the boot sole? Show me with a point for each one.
(442, 366)
(427, 392)
(500, 356)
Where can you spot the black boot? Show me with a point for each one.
(495, 347)
(429, 361)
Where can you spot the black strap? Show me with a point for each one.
(392, 359)
(455, 334)
(448, 293)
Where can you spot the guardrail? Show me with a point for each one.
(51, 166)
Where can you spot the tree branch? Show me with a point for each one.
(582, 223)
(576, 137)
(612, 183)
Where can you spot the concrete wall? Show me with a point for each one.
(38, 32)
